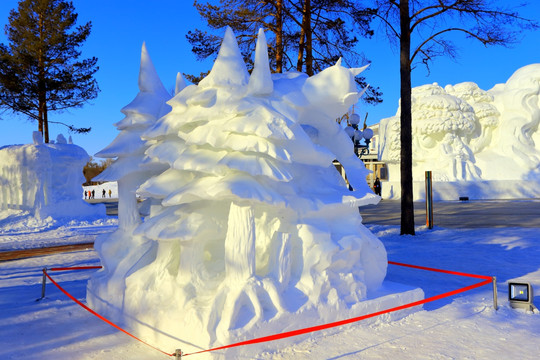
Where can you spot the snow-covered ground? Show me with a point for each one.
(462, 327)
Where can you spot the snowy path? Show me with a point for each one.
(457, 214)
(19, 231)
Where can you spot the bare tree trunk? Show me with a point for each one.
(42, 100)
(46, 123)
(40, 122)
(305, 45)
(279, 36)
(301, 45)
(407, 207)
(309, 41)
(43, 126)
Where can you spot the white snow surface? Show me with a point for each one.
(462, 327)
(484, 144)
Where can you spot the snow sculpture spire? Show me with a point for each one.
(180, 83)
(229, 69)
(260, 81)
(122, 249)
(149, 80)
(356, 71)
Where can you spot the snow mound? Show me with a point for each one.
(45, 180)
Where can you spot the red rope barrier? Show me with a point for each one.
(76, 268)
(95, 313)
(441, 271)
(343, 322)
(486, 280)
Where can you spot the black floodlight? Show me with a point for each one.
(521, 296)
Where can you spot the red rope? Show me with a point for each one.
(344, 322)
(486, 280)
(75, 268)
(95, 313)
(441, 271)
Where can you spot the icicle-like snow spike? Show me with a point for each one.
(229, 69)
(149, 80)
(356, 71)
(363, 91)
(260, 81)
(338, 63)
(180, 83)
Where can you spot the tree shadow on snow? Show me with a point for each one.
(506, 253)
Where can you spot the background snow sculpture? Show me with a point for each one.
(256, 230)
(477, 143)
(121, 250)
(44, 179)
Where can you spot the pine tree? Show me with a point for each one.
(40, 69)
(307, 36)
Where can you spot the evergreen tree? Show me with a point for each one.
(40, 69)
(305, 35)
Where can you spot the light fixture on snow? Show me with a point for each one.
(357, 135)
(521, 296)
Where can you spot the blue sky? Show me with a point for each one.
(121, 26)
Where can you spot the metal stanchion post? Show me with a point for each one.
(494, 281)
(43, 283)
(178, 354)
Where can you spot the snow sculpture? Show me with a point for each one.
(122, 249)
(256, 231)
(484, 110)
(440, 123)
(518, 101)
(464, 134)
(44, 179)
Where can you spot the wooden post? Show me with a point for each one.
(429, 201)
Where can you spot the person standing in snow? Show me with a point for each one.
(110, 193)
(93, 194)
(103, 193)
(377, 186)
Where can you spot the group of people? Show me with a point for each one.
(89, 194)
(92, 194)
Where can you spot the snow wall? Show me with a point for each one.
(45, 179)
(252, 231)
(477, 143)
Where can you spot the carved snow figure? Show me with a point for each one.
(518, 101)
(484, 109)
(440, 123)
(256, 229)
(489, 137)
(121, 250)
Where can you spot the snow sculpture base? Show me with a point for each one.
(176, 332)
